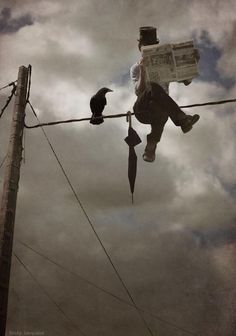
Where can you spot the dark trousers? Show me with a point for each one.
(153, 107)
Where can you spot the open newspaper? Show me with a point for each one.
(170, 62)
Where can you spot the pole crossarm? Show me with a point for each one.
(120, 115)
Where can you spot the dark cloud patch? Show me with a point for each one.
(12, 25)
(215, 237)
(210, 55)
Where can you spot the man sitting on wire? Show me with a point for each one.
(153, 105)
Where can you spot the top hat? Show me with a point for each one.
(147, 35)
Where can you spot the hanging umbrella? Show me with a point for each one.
(132, 140)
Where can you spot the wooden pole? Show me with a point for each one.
(9, 195)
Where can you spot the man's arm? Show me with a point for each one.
(141, 84)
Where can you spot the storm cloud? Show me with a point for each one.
(12, 25)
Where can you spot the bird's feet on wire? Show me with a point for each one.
(96, 120)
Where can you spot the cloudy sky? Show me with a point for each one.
(174, 248)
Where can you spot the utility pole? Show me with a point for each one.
(9, 195)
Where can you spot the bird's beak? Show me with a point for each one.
(109, 90)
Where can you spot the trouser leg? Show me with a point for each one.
(149, 111)
(153, 138)
(156, 133)
(167, 104)
(158, 120)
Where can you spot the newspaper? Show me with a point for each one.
(170, 62)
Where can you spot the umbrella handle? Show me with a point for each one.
(128, 118)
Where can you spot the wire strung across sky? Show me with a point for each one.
(48, 295)
(133, 304)
(3, 160)
(86, 215)
(9, 98)
(81, 278)
(120, 115)
(93, 229)
(5, 86)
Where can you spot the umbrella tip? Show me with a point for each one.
(132, 198)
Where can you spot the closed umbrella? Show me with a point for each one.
(132, 140)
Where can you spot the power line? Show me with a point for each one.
(120, 115)
(9, 98)
(3, 160)
(4, 87)
(72, 120)
(48, 296)
(73, 273)
(93, 228)
(86, 215)
(171, 324)
(219, 102)
(14, 90)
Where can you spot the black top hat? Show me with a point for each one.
(148, 35)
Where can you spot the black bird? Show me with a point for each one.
(97, 104)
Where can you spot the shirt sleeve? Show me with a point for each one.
(135, 76)
(135, 72)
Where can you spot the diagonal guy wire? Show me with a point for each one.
(94, 230)
(3, 160)
(8, 99)
(46, 293)
(81, 278)
(4, 87)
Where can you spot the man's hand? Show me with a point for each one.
(197, 55)
(187, 82)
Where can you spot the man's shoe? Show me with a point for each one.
(149, 157)
(188, 123)
(149, 153)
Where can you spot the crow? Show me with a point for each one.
(97, 104)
